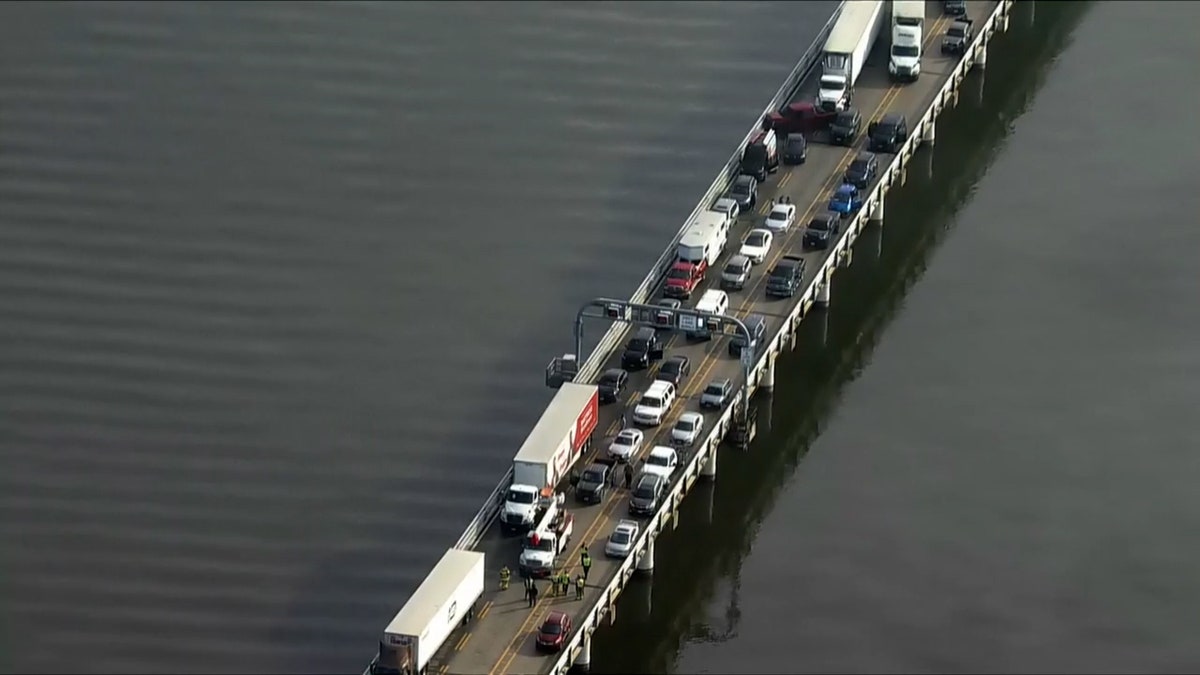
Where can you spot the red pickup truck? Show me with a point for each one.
(798, 118)
(684, 277)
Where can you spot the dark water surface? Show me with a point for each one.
(1010, 485)
(278, 281)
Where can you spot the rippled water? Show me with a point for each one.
(278, 281)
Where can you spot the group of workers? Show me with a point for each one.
(559, 583)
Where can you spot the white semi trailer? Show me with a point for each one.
(846, 51)
(443, 602)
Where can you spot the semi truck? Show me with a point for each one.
(908, 34)
(443, 602)
(560, 437)
(846, 52)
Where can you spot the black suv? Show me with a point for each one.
(888, 134)
(611, 384)
(795, 149)
(744, 191)
(785, 277)
(955, 7)
(675, 369)
(821, 230)
(845, 126)
(641, 349)
(590, 488)
(862, 170)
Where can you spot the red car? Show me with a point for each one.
(798, 118)
(554, 631)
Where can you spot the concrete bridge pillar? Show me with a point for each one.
(768, 377)
(981, 57)
(877, 212)
(846, 257)
(930, 133)
(646, 563)
(709, 470)
(584, 660)
(824, 292)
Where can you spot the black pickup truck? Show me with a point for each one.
(958, 36)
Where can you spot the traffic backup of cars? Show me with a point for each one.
(664, 398)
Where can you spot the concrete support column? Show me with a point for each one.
(877, 212)
(646, 563)
(708, 491)
(612, 613)
(584, 660)
(846, 257)
(930, 135)
(709, 470)
(768, 377)
(824, 292)
(1032, 10)
(981, 58)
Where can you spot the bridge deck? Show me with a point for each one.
(500, 640)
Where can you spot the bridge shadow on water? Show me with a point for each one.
(718, 523)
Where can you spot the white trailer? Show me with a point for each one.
(558, 439)
(443, 602)
(846, 51)
(705, 238)
(908, 35)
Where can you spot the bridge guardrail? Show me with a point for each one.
(590, 369)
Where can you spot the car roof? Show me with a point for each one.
(612, 372)
(743, 179)
(626, 525)
(721, 381)
(629, 432)
(645, 332)
(691, 415)
(739, 259)
(669, 302)
(892, 118)
(675, 358)
(658, 385)
(649, 478)
(865, 156)
(661, 450)
(597, 465)
(557, 616)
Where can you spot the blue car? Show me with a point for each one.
(846, 200)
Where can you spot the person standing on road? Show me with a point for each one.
(585, 559)
(624, 421)
(628, 475)
(533, 593)
(579, 583)
(505, 575)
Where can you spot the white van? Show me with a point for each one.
(714, 301)
(654, 403)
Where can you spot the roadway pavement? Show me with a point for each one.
(501, 639)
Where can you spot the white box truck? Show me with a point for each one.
(908, 33)
(443, 602)
(560, 437)
(846, 52)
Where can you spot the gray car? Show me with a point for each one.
(716, 394)
(647, 494)
(736, 272)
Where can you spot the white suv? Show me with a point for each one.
(654, 404)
